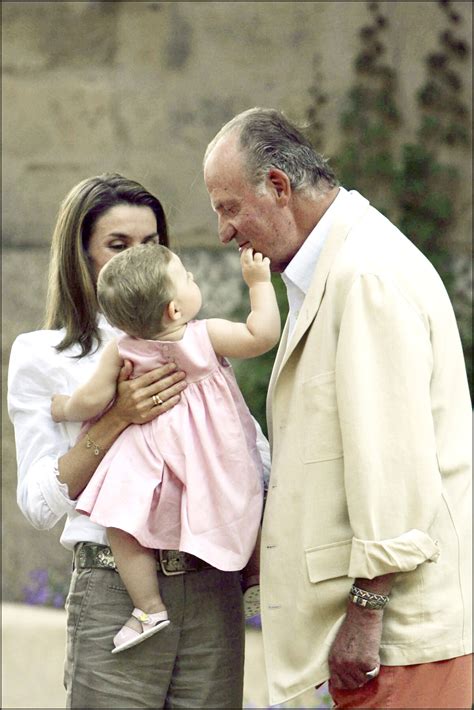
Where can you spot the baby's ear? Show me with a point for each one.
(172, 311)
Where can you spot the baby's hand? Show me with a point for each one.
(58, 403)
(255, 267)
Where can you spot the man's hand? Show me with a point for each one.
(356, 647)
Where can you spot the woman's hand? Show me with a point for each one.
(138, 399)
(133, 405)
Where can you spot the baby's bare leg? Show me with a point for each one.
(137, 568)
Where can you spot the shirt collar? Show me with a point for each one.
(300, 270)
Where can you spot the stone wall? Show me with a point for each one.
(140, 88)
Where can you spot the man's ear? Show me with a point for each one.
(172, 311)
(280, 182)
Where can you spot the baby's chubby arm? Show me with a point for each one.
(262, 328)
(92, 397)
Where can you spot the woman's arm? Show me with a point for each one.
(262, 328)
(92, 397)
(134, 405)
(43, 447)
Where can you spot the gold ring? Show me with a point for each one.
(157, 400)
(373, 673)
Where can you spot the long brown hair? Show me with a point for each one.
(71, 300)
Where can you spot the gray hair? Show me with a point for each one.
(268, 140)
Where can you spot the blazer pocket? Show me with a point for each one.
(328, 561)
(320, 430)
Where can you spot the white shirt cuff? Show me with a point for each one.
(55, 493)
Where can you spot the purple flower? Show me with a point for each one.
(44, 589)
(254, 621)
(37, 595)
(39, 575)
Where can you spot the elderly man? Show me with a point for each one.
(365, 549)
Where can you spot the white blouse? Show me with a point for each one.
(36, 372)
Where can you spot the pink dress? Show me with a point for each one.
(191, 479)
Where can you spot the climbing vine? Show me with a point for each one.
(370, 119)
(427, 185)
(416, 185)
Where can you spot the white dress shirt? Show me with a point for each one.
(299, 273)
(36, 372)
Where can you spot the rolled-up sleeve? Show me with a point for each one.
(391, 474)
(371, 558)
(32, 379)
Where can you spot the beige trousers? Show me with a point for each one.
(195, 662)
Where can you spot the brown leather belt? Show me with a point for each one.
(170, 562)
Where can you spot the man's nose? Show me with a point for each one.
(227, 232)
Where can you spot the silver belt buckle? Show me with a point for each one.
(167, 564)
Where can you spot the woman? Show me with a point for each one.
(198, 660)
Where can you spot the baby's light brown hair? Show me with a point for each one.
(134, 288)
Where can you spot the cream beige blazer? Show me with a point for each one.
(370, 423)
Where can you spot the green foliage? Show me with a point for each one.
(370, 119)
(426, 206)
(427, 187)
(413, 186)
(253, 375)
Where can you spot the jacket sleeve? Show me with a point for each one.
(392, 480)
(32, 379)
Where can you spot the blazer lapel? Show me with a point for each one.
(343, 223)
